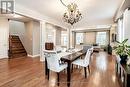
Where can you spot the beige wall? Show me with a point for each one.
(36, 38)
(28, 37)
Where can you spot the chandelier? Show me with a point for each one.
(72, 15)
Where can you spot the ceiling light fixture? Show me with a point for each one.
(72, 15)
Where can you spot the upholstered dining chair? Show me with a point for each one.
(53, 63)
(84, 62)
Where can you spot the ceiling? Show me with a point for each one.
(95, 12)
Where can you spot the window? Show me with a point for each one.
(79, 38)
(50, 35)
(64, 38)
(101, 38)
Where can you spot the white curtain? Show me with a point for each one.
(126, 24)
(120, 30)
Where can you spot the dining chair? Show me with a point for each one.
(53, 63)
(58, 48)
(84, 62)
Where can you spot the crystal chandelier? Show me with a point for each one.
(72, 15)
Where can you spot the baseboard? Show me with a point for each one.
(4, 57)
(34, 55)
(42, 59)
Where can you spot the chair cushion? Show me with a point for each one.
(80, 62)
(61, 67)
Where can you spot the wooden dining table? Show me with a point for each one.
(69, 58)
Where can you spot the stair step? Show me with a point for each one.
(15, 41)
(18, 51)
(14, 36)
(20, 48)
(18, 55)
(16, 47)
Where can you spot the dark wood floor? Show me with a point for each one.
(29, 72)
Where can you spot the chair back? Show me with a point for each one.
(58, 49)
(52, 60)
(87, 56)
(86, 47)
(91, 49)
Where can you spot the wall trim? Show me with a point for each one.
(33, 55)
(6, 57)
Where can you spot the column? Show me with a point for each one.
(42, 39)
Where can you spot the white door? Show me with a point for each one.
(4, 38)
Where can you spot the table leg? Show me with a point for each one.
(68, 74)
(46, 67)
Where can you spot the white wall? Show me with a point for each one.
(4, 35)
(16, 28)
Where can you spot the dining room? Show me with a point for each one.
(64, 43)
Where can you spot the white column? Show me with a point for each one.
(42, 39)
(70, 37)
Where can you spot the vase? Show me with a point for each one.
(123, 59)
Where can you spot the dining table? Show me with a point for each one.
(68, 57)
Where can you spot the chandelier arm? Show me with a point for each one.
(63, 3)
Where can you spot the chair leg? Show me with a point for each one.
(72, 67)
(58, 79)
(48, 73)
(88, 68)
(85, 72)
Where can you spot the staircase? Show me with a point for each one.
(16, 48)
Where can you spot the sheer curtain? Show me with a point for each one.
(102, 38)
(79, 38)
(120, 30)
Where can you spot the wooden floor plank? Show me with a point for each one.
(29, 72)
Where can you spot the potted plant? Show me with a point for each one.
(123, 50)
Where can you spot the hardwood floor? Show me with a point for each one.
(29, 72)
